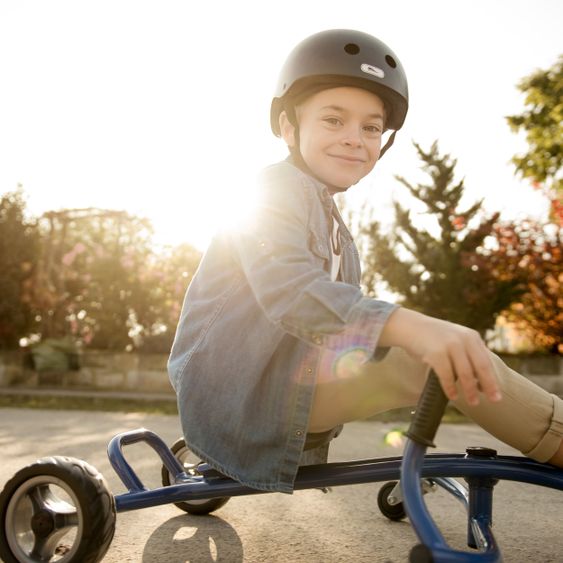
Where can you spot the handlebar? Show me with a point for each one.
(429, 412)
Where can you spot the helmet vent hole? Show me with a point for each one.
(352, 48)
(390, 61)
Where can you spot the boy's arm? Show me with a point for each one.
(456, 353)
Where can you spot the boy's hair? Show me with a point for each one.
(341, 57)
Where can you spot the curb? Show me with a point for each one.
(70, 393)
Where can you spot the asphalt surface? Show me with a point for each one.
(344, 525)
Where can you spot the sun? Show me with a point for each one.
(210, 204)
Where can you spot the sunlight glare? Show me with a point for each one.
(217, 203)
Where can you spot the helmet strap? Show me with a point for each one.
(387, 144)
(295, 151)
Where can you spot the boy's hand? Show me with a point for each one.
(457, 354)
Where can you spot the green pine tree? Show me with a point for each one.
(443, 274)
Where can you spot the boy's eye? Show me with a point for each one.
(331, 121)
(373, 129)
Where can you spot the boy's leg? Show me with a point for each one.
(528, 418)
(348, 388)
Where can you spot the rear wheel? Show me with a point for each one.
(190, 462)
(58, 509)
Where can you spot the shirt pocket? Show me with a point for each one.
(350, 265)
(319, 247)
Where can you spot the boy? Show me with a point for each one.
(276, 346)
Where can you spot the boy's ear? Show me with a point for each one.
(287, 130)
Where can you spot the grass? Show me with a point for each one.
(88, 404)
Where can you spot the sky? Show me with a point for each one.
(161, 108)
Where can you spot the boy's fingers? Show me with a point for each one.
(485, 372)
(466, 377)
(446, 375)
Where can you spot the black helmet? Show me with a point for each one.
(342, 57)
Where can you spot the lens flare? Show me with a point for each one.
(394, 438)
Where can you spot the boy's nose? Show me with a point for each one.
(352, 137)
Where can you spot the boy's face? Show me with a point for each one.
(340, 133)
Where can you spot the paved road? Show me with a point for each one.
(307, 527)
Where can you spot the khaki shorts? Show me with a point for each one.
(528, 418)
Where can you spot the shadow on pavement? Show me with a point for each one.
(198, 539)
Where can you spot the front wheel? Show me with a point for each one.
(394, 511)
(190, 463)
(58, 509)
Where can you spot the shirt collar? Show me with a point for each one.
(325, 195)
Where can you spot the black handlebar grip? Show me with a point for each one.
(429, 412)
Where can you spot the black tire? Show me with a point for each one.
(391, 511)
(56, 509)
(421, 554)
(190, 462)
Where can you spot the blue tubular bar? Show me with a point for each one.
(455, 489)
(480, 510)
(510, 468)
(125, 471)
(483, 469)
(351, 473)
(423, 524)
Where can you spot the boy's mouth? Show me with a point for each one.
(347, 158)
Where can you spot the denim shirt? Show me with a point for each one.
(255, 321)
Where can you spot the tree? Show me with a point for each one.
(537, 251)
(19, 247)
(100, 280)
(88, 276)
(168, 275)
(443, 275)
(533, 246)
(542, 122)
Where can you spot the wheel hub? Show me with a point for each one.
(42, 523)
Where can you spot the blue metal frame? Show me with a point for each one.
(481, 474)
(480, 467)
(487, 469)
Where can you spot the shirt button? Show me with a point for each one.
(299, 433)
(309, 370)
(317, 339)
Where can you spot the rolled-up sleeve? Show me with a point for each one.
(287, 278)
